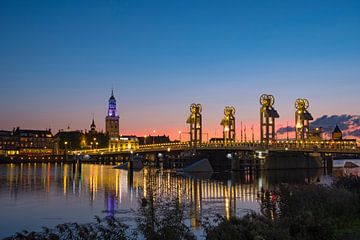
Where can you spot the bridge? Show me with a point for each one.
(307, 141)
(277, 146)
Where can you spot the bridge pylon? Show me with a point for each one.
(268, 114)
(228, 123)
(195, 124)
(302, 119)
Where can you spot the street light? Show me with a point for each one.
(66, 143)
(179, 136)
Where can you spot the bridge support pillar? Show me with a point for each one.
(327, 163)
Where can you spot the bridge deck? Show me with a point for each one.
(292, 146)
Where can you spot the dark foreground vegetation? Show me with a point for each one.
(309, 212)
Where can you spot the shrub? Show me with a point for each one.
(250, 227)
(108, 228)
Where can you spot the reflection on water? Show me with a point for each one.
(35, 195)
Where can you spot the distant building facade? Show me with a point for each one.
(337, 134)
(26, 142)
(124, 143)
(8, 143)
(95, 139)
(70, 140)
(153, 139)
(79, 140)
(316, 134)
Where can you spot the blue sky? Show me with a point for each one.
(60, 59)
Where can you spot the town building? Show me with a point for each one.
(339, 140)
(337, 134)
(153, 139)
(117, 142)
(316, 134)
(70, 140)
(26, 142)
(8, 143)
(96, 139)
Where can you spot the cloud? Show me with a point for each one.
(285, 129)
(349, 124)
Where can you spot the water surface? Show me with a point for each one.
(47, 194)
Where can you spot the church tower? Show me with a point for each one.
(93, 127)
(112, 118)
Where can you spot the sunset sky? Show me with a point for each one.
(60, 59)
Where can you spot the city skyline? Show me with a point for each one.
(243, 130)
(59, 62)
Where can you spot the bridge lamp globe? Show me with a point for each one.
(229, 156)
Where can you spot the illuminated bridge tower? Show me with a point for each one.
(112, 119)
(195, 123)
(267, 118)
(228, 122)
(302, 118)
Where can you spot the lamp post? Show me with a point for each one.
(179, 136)
(65, 143)
(153, 137)
(95, 143)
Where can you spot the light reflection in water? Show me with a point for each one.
(35, 195)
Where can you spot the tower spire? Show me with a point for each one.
(93, 122)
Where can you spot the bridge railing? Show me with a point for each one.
(349, 146)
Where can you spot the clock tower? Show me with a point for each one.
(112, 118)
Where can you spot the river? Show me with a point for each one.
(33, 195)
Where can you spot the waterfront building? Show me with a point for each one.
(124, 143)
(8, 144)
(26, 142)
(34, 142)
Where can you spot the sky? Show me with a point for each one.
(59, 61)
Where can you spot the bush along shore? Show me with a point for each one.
(306, 212)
